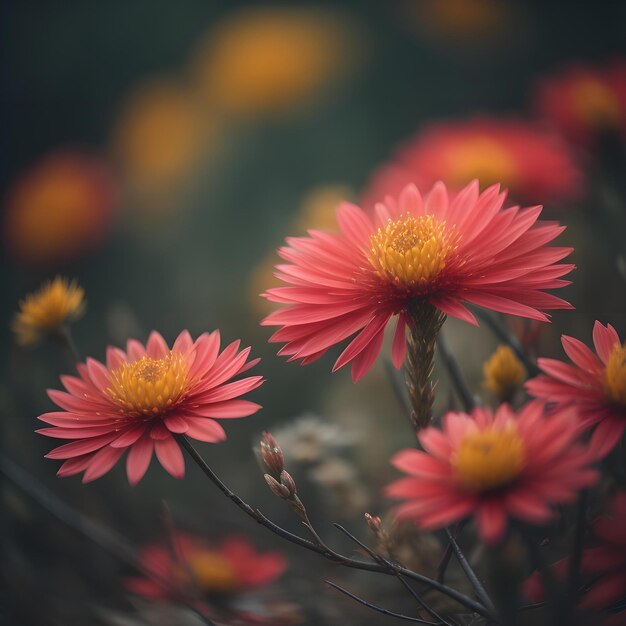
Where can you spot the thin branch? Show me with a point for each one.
(331, 555)
(575, 562)
(377, 608)
(445, 561)
(470, 573)
(456, 376)
(506, 336)
(65, 337)
(102, 536)
(392, 566)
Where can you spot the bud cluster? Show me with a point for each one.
(277, 478)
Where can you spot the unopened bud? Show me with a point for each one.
(272, 455)
(276, 488)
(374, 522)
(288, 482)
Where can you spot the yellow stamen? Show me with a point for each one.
(412, 250)
(616, 375)
(45, 311)
(595, 103)
(490, 458)
(503, 373)
(149, 386)
(211, 572)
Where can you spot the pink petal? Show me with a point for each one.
(175, 424)
(491, 521)
(101, 463)
(170, 456)
(138, 459)
(205, 429)
(604, 340)
(398, 346)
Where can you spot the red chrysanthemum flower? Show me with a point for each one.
(142, 398)
(441, 251)
(583, 102)
(604, 564)
(532, 163)
(191, 563)
(595, 385)
(492, 467)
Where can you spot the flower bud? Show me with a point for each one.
(272, 455)
(288, 483)
(276, 488)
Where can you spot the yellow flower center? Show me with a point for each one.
(149, 386)
(503, 373)
(483, 158)
(595, 103)
(616, 375)
(490, 458)
(411, 251)
(211, 572)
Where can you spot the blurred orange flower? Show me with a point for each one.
(159, 136)
(583, 101)
(59, 209)
(264, 59)
(534, 164)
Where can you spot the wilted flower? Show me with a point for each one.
(46, 311)
(413, 255)
(142, 399)
(231, 566)
(534, 164)
(59, 210)
(492, 467)
(595, 385)
(583, 102)
(503, 373)
(262, 59)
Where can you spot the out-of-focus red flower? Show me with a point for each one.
(59, 210)
(441, 250)
(595, 385)
(191, 566)
(533, 163)
(583, 102)
(142, 398)
(492, 467)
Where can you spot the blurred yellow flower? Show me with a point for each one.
(264, 59)
(59, 209)
(45, 311)
(316, 210)
(503, 374)
(159, 137)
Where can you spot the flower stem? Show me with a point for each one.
(425, 321)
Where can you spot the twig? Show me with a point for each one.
(331, 555)
(392, 566)
(470, 573)
(377, 608)
(109, 541)
(456, 376)
(505, 335)
(445, 561)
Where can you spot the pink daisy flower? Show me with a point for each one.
(595, 384)
(492, 467)
(142, 398)
(532, 163)
(438, 252)
(231, 566)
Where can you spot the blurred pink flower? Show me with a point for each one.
(531, 162)
(492, 467)
(142, 398)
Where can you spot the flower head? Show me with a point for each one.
(439, 252)
(59, 210)
(503, 373)
(142, 398)
(583, 101)
(595, 385)
(532, 163)
(494, 467)
(45, 311)
(230, 567)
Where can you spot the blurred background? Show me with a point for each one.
(159, 152)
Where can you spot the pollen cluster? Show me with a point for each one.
(149, 386)
(211, 572)
(410, 251)
(503, 373)
(616, 375)
(490, 458)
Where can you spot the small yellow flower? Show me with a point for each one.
(503, 373)
(44, 312)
